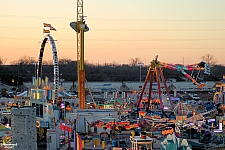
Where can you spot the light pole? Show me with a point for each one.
(61, 80)
(17, 78)
(140, 64)
(35, 71)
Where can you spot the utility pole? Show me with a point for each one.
(183, 60)
(140, 64)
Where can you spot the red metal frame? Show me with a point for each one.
(155, 71)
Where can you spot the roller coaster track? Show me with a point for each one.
(201, 114)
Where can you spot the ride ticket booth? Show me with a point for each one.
(138, 142)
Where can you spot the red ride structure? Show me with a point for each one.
(155, 71)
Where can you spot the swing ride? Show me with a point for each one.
(155, 71)
(195, 78)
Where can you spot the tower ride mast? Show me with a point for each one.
(80, 27)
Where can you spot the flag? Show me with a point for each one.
(36, 81)
(47, 25)
(105, 94)
(42, 82)
(79, 144)
(46, 31)
(53, 95)
(39, 81)
(123, 94)
(46, 81)
(49, 94)
(52, 28)
(115, 94)
(28, 92)
(33, 81)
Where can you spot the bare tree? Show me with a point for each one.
(2, 61)
(65, 61)
(47, 62)
(25, 60)
(134, 61)
(209, 59)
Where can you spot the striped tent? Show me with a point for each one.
(62, 94)
(23, 95)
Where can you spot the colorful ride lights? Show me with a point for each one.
(62, 105)
(67, 108)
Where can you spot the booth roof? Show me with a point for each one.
(60, 94)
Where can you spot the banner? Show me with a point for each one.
(115, 94)
(124, 95)
(28, 92)
(53, 95)
(46, 81)
(52, 28)
(105, 94)
(33, 81)
(49, 94)
(39, 81)
(46, 31)
(47, 25)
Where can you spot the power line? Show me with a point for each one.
(146, 40)
(14, 27)
(157, 30)
(185, 20)
(114, 19)
(212, 48)
(120, 40)
(141, 4)
(37, 17)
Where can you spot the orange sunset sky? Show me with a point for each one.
(119, 29)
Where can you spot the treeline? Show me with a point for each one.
(22, 72)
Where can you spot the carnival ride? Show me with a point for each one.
(195, 78)
(55, 61)
(80, 27)
(181, 111)
(155, 71)
(114, 125)
(219, 93)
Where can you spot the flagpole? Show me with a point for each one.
(75, 136)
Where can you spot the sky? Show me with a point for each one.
(178, 31)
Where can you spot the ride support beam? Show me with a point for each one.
(150, 89)
(167, 90)
(81, 84)
(159, 88)
(143, 88)
(82, 89)
(82, 46)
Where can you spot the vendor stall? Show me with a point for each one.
(138, 141)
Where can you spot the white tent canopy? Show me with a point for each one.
(61, 94)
